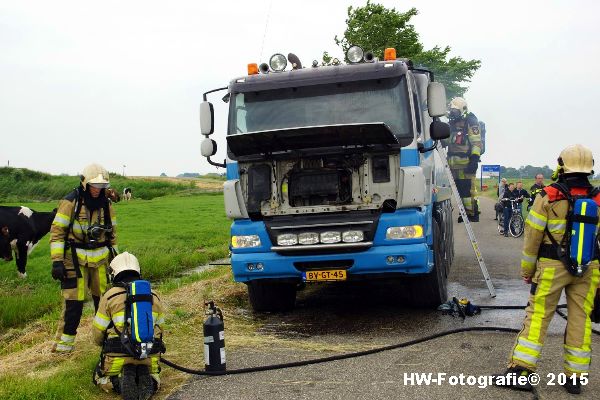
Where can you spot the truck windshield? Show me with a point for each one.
(380, 100)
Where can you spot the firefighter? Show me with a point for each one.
(540, 267)
(464, 150)
(536, 189)
(117, 371)
(82, 243)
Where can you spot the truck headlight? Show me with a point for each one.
(353, 236)
(287, 239)
(404, 232)
(308, 238)
(331, 237)
(245, 241)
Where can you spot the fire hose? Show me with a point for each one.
(364, 352)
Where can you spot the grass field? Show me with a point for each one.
(170, 235)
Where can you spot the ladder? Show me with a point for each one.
(469, 228)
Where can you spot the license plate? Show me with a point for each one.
(330, 275)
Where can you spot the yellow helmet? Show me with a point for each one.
(458, 108)
(576, 159)
(124, 262)
(95, 175)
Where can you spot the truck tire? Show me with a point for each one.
(431, 290)
(271, 295)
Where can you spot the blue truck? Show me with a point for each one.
(334, 174)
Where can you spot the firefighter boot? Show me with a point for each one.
(514, 378)
(129, 388)
(573, 385)
(145, 382)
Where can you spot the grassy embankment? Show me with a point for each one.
(170, 235)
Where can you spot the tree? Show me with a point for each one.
(375, 27)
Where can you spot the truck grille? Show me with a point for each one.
(364, 221)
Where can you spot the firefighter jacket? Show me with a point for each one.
(535, 190)
(69, 229)
(547, 216)
(110, 318)
(464, 140)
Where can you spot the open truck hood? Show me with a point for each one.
(310, 137)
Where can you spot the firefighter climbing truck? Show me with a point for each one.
(333, 174)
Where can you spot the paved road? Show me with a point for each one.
(374, 315)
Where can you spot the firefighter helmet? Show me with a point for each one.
(124, 262)
(576, 159)
(95, 175)
(458, 108)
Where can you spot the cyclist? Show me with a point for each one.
(509, 194)
(521, 193)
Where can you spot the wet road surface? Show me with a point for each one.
(377, 315)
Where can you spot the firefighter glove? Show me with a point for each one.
(59, 272)
(472, 165)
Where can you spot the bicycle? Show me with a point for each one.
(516, 224)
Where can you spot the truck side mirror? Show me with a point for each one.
(439, 130)
(207, 124)
(436, 99)
(208, 147)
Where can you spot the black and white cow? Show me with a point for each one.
(127, 194)
(20, 230)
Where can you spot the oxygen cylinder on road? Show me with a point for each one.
(214, 338)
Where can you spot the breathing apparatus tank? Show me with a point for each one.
(214, 338)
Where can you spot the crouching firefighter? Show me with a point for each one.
(560, 253)
(128, 326)
(82, 243)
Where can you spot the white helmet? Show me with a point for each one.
(124, 262)
(576, 159)
(458, 108)
(96, 175)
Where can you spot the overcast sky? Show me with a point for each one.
(119, 82)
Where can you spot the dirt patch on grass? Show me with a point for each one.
(201, 183)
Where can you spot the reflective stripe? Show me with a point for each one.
(529, 359)
(113, 221)
(64, 338)
(119, 319)
(135, 314)
(529, 257)
(528, 260)
(476, 151)
(589, 304)
(581, 230)
(160, 321)
(94, 256)
(537, 347)
(101, 322)
(57, 248)
(557, 225)
(61, 220)
(81, 284)
(576, 367)
(64, 347)
(539, 304)
(102, 278)
(116, 366)
(536, 221)
(575, 352)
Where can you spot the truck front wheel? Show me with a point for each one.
(431, 290)
(271, 295)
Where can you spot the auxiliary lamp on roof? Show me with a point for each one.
(278, 62)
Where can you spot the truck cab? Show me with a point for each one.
(333, 174)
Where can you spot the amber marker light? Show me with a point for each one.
(389, 54)
(252, 69)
